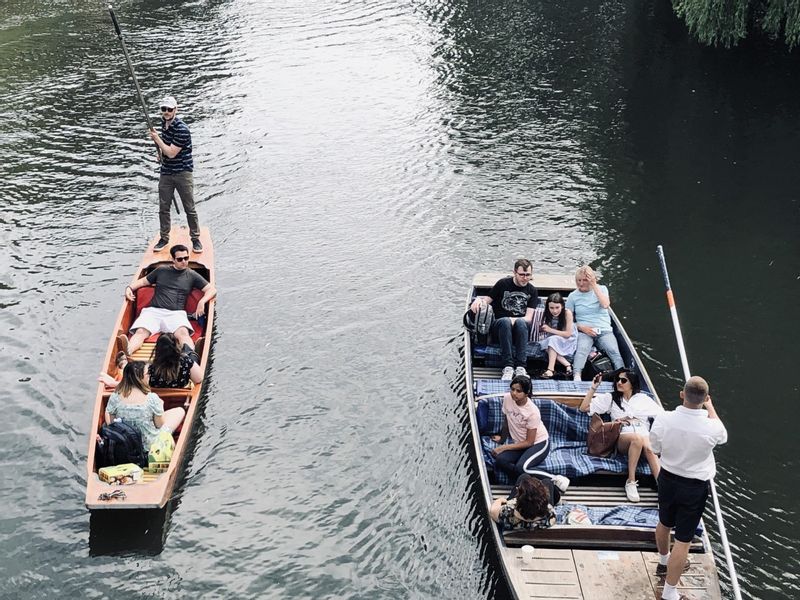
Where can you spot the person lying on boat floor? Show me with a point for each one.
(560, 337)
(589, 304)
(513, 300)
(627, 404)
(171, 367)
(526, 441)
(136, 405)
(528, 506)
(166, 312)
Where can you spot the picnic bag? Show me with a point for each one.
(119, 444)
(162, 448)
(602, 437)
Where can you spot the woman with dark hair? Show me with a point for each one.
(136, 405)
(628, 404)
(171, 367)
(561, 337)
(528, 506)
(528, 442)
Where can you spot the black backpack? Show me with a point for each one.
(119, 444)
(480, 324)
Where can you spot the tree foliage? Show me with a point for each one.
(727, 22)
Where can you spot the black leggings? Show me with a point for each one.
(517, 462)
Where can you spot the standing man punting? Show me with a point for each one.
(685, 438)
(177, 169)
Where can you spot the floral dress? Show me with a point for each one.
(138, 416)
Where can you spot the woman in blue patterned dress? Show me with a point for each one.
(136, 405)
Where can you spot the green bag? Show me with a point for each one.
(162, 448)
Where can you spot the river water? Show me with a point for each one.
(357, 162)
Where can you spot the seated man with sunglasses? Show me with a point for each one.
(175, 143)
(173, 284)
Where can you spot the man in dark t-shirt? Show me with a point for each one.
(166, 313)
(177, 166)
(513, 300)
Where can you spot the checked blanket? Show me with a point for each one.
(567, 428)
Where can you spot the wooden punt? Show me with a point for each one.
(155, 490)
(594, 562)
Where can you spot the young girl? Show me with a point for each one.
(562, 338)
(172, 368)
(137, 406)
(530, 441)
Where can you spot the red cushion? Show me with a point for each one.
(192, 300)
(144, 296)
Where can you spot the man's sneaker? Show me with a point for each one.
(561, 482)
(662, 569)
(508, 374)
(197, 246)
(160, 245)
(521, 371)
(631, 491)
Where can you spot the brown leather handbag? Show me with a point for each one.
(602, 437)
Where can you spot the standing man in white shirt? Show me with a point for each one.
(685, 438)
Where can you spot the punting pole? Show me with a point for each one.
(136, 85)
(686, 373)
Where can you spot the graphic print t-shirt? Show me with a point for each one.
(509, 300)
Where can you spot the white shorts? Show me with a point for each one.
(635, 427)
(161, 320)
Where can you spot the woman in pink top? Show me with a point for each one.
(529, 442)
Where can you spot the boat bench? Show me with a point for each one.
(567, 427)
(617, 522)
(144, 296)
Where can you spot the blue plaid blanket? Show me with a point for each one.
(491, 353)
(567, 428)
(496, 386)
(628, 515)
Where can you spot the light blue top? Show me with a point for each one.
(139, 416)
(587, 310)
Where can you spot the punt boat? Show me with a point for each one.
(612, 557)
(155, 489)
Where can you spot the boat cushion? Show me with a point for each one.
(490, 416)
(627, 515)
(490, 353)
(567, 428)
(144, 296)
(497, 386)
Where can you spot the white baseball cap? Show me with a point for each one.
(169, 102)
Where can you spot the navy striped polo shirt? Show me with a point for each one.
(177, 135)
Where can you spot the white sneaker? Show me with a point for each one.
(576, 376)
(521, 371)
(631, 491)
(561, 482)
(508, 374)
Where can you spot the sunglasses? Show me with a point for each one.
(622, 380)
(167, 109)
(182, 258)
(524, 274)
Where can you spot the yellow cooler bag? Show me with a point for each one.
(161, 449)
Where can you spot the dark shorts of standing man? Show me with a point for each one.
(681, 502)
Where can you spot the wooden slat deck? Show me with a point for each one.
(564, 574)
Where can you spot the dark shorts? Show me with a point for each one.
(681, 502)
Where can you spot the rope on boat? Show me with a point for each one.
(106, 496)
(687, 373)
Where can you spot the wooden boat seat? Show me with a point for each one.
(616, 537)
(144, 296)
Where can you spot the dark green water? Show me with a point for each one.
(357, 163)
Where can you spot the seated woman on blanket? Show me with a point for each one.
(136, 405)
(561, 336)
(530, 442)
(528, 506)
(589, 304)
(627, 404)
